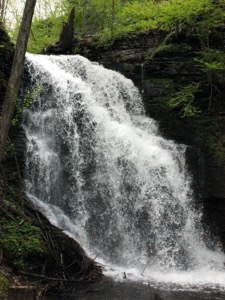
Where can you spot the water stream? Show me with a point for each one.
(99, 169)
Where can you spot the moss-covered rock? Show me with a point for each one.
(32, 248)
(21, 241)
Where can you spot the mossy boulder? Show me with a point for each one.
(21, 241)
(32, 246)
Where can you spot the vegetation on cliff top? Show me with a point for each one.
(107, 20)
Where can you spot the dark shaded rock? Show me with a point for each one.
(36, 250)
(59, 256)
(157, 297)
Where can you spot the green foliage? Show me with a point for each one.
(134, 16)
(108, 20)
(9, 147)
(183, 100)
(211, 60)
(44, 32)
(20, 240)
(26, 103)
(171, 16)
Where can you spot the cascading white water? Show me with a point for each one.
(97, 164)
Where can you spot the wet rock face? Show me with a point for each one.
(158, 73)
(214, 195)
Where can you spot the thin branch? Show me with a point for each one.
(144, 268)
(51, 278)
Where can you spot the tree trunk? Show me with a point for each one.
(2, 9)
(16, 74)
(66, 35)
(66, 41)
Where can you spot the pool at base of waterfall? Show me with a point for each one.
(129, 290)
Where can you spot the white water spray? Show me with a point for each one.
(100, 166)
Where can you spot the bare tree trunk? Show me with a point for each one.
(66, 35)
(6, 7)
(16, 74)
(66, 41)
(2, 9)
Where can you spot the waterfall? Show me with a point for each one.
(97, 164)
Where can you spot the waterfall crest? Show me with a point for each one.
(96, 160)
